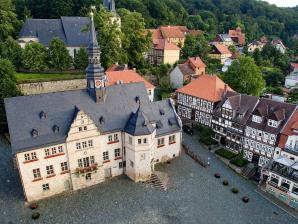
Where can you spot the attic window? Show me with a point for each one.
(161, 112)
(34, 133)
(101, 120)
(42, 115)
(56, 128)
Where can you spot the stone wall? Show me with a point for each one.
(53, 86)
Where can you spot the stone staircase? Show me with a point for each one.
(249, 170)
(159, 180)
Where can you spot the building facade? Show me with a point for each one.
(190, 70)
(292, 79)
(196, 101)
(67, 29)
(263, 130)
(75, 139)
(229, 119)
(282, 180)
(220, 52)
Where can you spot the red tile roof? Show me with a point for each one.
(161, 44)
(197, 62)
(222, 49)
(171, 32)
(294, 65)
(208, 87)
(126, 76)
(289, 130)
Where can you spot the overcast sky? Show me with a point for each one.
(283, 3)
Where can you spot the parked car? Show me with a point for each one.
(187, 129)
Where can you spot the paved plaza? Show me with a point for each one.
(193, 196)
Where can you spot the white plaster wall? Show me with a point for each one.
(168, 151)
(33, 190)
(290, 82)
(171, 56)
(176, 78)
(141, 155)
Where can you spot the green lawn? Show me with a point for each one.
(225, 153)
(43, 77)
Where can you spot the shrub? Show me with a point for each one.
(245, 199)
(235, 190)
(240, 162)
(225, 182)
(217, 175)
(205, 134)
(35, 215)
(225, 153)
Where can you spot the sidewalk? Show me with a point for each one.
(277, 202)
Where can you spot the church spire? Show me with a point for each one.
(95, 73)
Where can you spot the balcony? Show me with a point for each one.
(82, 170)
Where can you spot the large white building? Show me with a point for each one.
(74, 139)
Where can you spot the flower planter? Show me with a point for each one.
(34, 206)
(35, 215)
(225, 183)
(235, 190)
(217, 175)
(245, 199)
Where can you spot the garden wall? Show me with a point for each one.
(52, 86)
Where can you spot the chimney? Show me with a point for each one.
(134, 69)
(117, 63)
(125, 66)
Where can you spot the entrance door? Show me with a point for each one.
(108, 173)
(255, 159)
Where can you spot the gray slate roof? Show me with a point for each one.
(242, 104)
(139, 124)
(23, 114)
(71, 30)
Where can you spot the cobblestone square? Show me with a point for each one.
(193, 196)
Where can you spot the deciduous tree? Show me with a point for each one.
(59, 57)
(81, 59)
(244, 76)
(34, 57)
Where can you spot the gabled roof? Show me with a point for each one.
(196, 62)
(126, 76)
(162, 44)
(242, 105)
(208, 87)
(288, 130)
(186, 69)
(171, 32)
(278, 42)
(270, 109)
(71, 30)
(222, 49)
(61, 108)
(138, 124)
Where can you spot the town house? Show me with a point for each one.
(196, 100)
(263, 129)
(230, 117)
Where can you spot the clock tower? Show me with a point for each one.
(95, 73)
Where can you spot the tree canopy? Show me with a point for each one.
(34, 57)
(244, 76)
(195, 46)
(59, 57)
(8, 88)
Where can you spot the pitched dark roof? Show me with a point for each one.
(71, 30)
(270, 109)
(242, 104)
(61, 109)
(139, 124)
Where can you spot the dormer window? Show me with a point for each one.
(257, 119)
(56, 128)
(272, 123)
